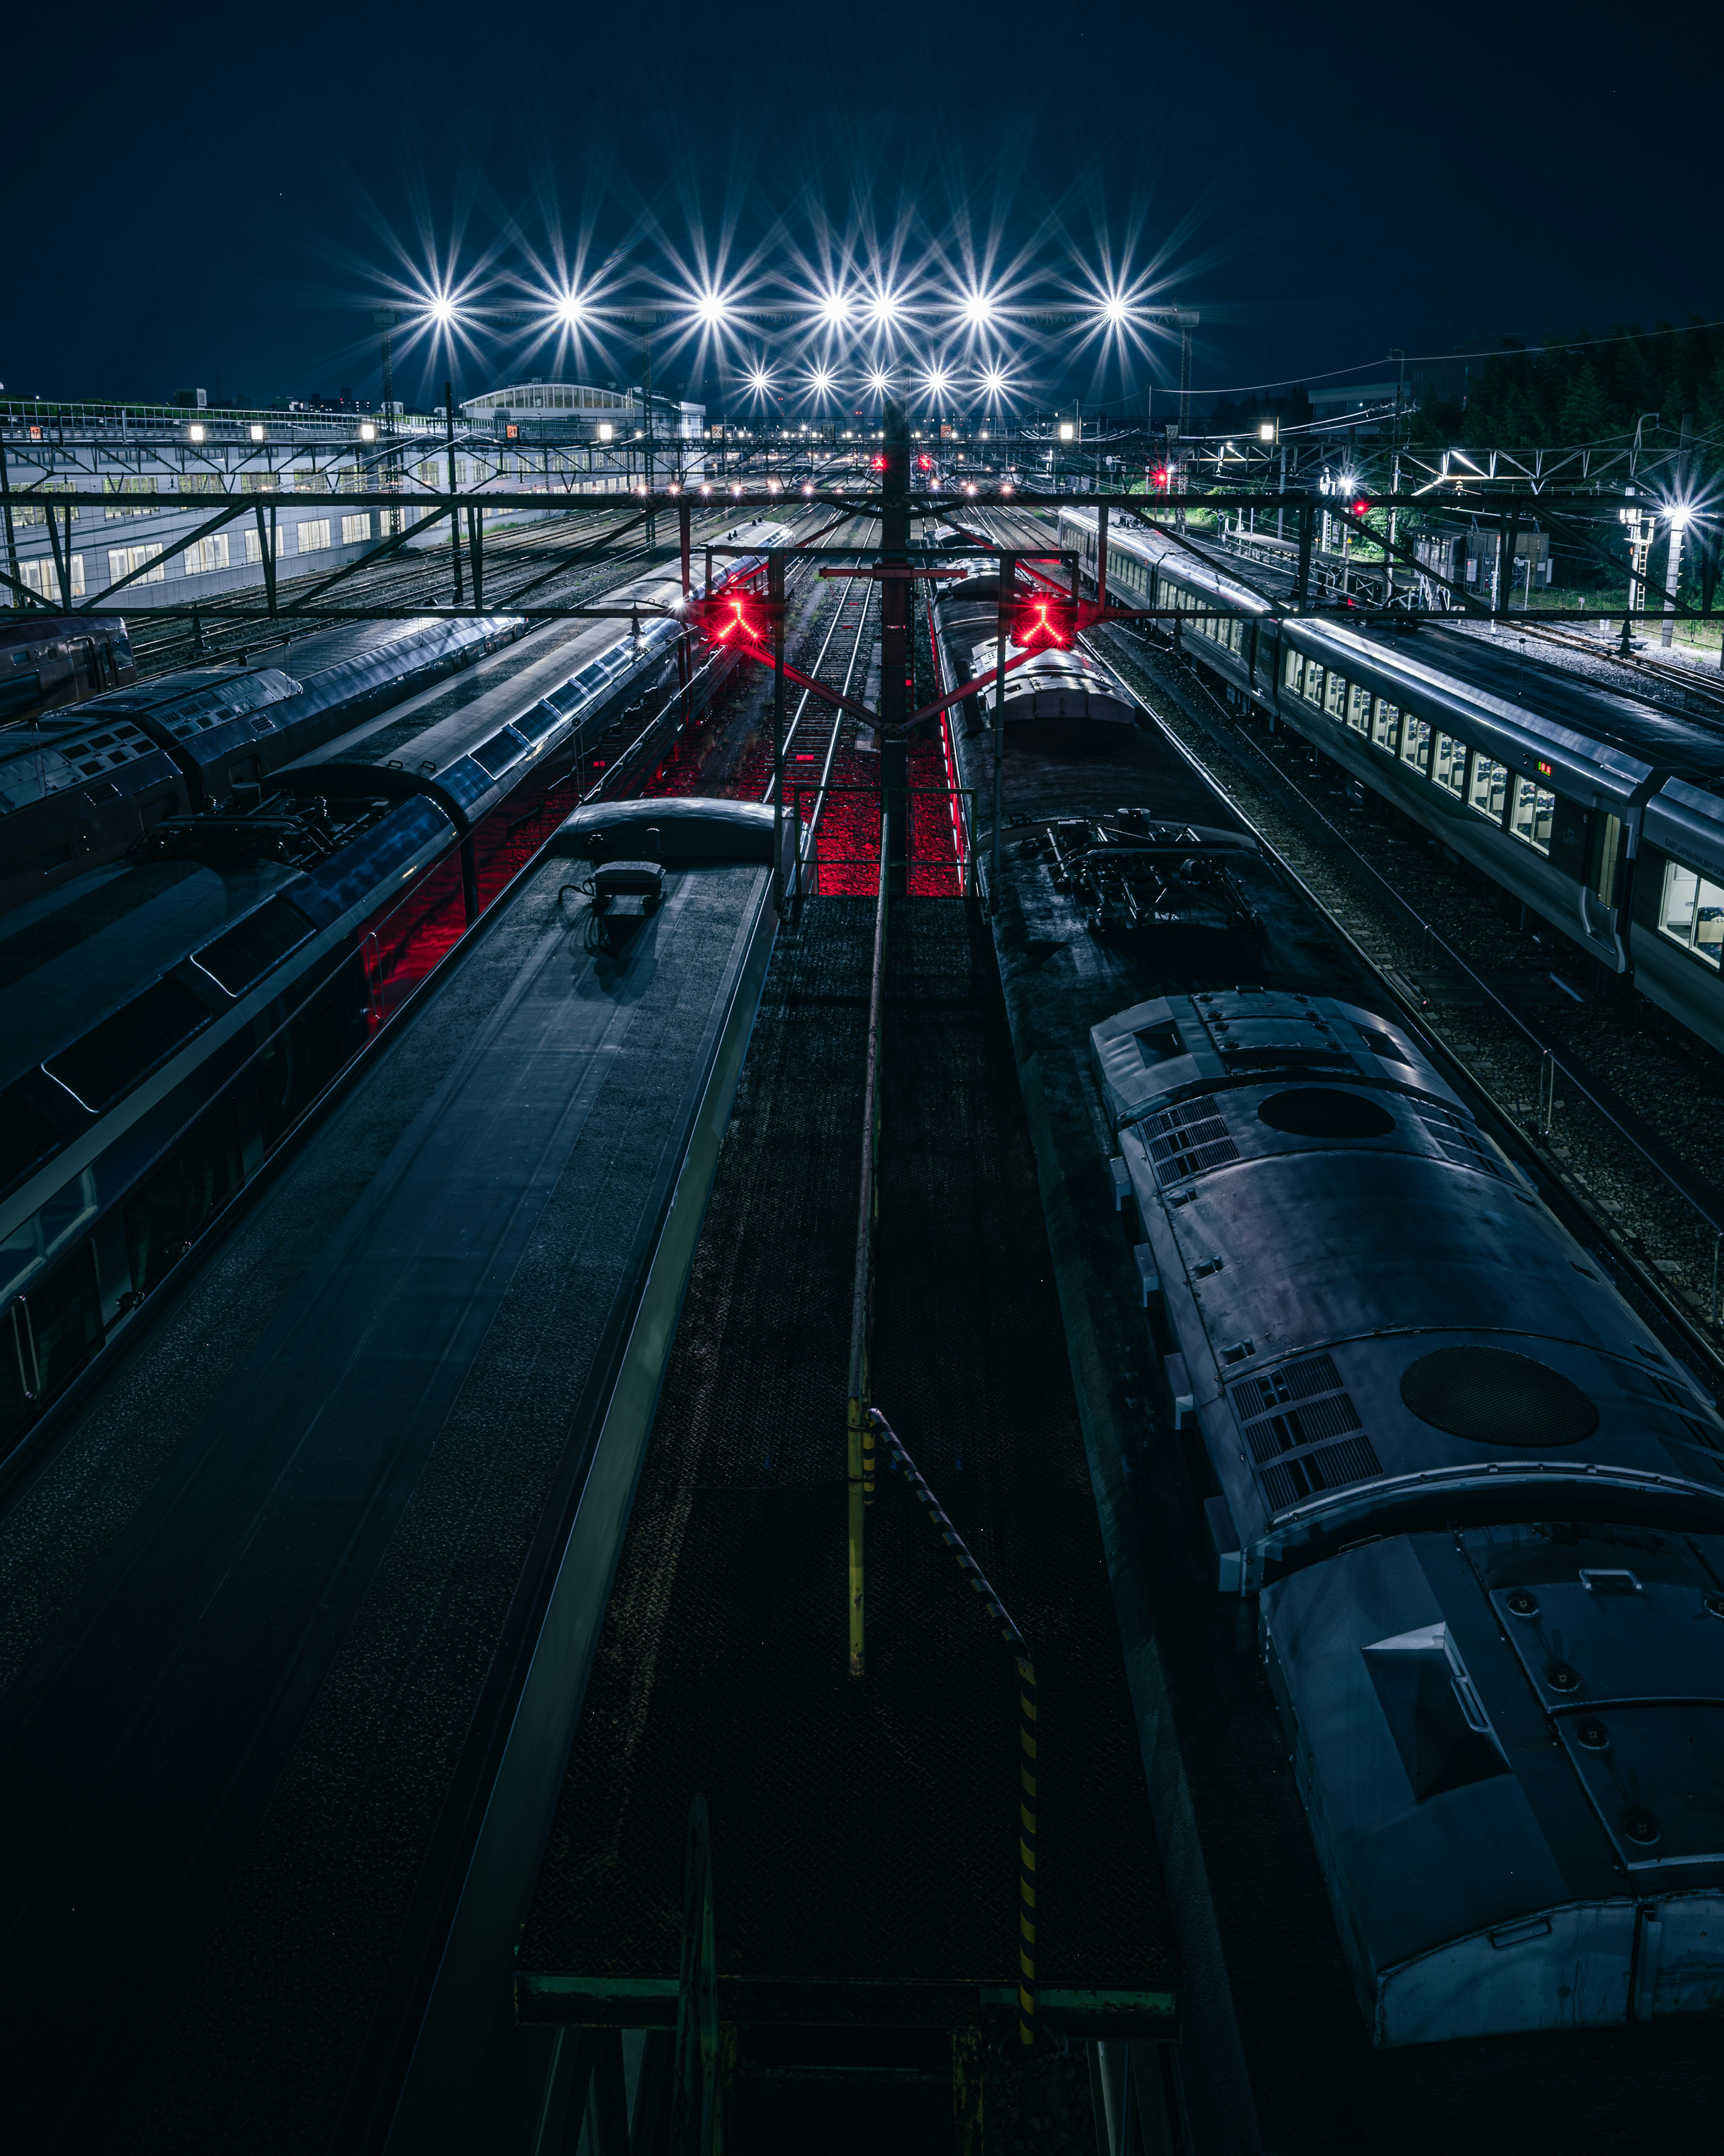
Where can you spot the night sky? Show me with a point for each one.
(223, 203)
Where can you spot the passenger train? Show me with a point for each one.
(1480, 1508)
(1602, 815)
(47, 659)
(78, 790)
(168, 1017)
(1476, 1505)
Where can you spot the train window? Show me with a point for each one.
(1449, 770)
(1606, 851)
(47, 1337)
(180, 1200)
(1236, 634)
(1358, 709)
(1691, 912)
(1293, 675)
(1313, 683)
(1489, 791)
(301, 1061)
(48, 1230)
(1535, 811)
(1416, 743)
(1335, 695)
(1386, 725)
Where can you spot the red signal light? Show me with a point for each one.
(1159, 477)
(878, 462)
(925, 464)
(1041, 622)
(731, 624)
(1361, 508)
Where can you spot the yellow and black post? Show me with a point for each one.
(858, 1426)
(897, 1457)
(1026, 1850)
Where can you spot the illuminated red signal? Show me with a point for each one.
(1158, 478)
(925, 464)
(878, 462)
(1362, 508)
(738, 620)
(1041, 622)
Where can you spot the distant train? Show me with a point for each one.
(47, 659)
(164, 1025)
(1602, 815)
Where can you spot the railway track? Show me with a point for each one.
(1652, 1238)
(1395, 901)
(1694, 690)
(423, 579)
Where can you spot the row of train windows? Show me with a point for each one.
(48, 1333)
(1230, 634)
(1691, 912)
(1468, 774)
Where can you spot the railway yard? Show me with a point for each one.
(761, 1389)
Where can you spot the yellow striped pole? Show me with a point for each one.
(898, 1458)
(1026, 1850)
(854, 1478)
(859, 1429)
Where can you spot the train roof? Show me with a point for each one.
(79, 952)
(1518, 684)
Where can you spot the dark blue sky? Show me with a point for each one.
(229, 201)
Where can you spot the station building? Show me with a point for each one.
(159, 466)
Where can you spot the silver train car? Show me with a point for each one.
(1480, 1508)
(1602, 815)
(568, 705)
(1054, 681)
(168, 1020)
(47, 659)
(79, 789)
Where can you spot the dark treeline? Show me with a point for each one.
(1583, 392)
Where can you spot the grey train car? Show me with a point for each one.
(47, 659)
(1481, 1509)
(79, 789)
(166, 1022)
(474, 755)
(163, 1027)
(1551, 786)
(1053, 682)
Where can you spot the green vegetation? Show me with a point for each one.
(1568, 394)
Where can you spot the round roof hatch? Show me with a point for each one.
(1325, 1111)
(1495, 1397)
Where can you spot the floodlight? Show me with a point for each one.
(367, 433)
(1066, 430)
(606, 432)
(257, 431)
(1266, 432)
(194, 432)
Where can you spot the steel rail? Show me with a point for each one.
(1645, 1277)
